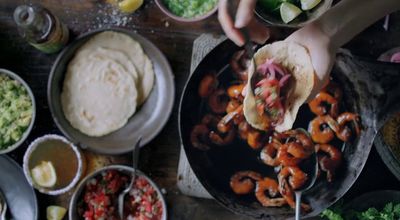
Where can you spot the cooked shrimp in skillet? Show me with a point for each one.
(210, 120)
(298, 146)
(334, 90)
(319, 105)
(322, 129)
(255, 139)
(235, 92)
(222, 139)
(232, 105)
(234, 117)
(329, 162)
(300, 143)
(296, 176)
(199, 137)
(285, 158)
(239, 64)
(238, 115)
(271, 187)
(242, 182)
(226, 123)
(288, 194)
(243, 129)
(269, 154)
(208, 85)
(344, 120)
(283, 152)
(298, 150)
(218, 101)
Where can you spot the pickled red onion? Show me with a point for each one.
(395, 58)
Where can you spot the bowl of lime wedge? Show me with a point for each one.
(291, 13)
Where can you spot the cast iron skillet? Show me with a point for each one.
(371, 89)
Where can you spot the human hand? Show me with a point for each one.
(321, 50)
(336, 27)
(244, 18)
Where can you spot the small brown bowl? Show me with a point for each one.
(166, 11)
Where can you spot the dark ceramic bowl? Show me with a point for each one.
(166, 11)
(376, 199)
(311, 15)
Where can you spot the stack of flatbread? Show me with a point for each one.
(109, 76)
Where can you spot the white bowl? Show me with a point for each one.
(34, 145)
(29, 129)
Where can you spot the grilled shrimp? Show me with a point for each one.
(271, 186)
(242, 181)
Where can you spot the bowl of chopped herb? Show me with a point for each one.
(18, 111)
(377, 205)
(188, 10)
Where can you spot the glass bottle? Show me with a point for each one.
(41, 28)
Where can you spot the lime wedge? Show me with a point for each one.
(44, 174)
(289, 12)
(129, 6)
(309, 4)
(55, 212)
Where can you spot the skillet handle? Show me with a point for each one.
(377, 85)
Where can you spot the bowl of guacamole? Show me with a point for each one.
(17, 111)
(188, 10)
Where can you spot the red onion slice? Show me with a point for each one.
(395, 58)
(284, 80)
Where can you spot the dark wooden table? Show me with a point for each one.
(160, 157)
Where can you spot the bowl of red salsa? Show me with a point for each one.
(97, 195)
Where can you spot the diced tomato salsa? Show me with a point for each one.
(270, 79)
(99, 200)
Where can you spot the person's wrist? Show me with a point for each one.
(324, 36)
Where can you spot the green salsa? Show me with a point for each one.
(15, 111)
(190, 8)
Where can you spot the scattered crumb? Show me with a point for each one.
(164, 191)
(166, 23)
(104, 15)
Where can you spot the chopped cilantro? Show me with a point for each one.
(389, 212)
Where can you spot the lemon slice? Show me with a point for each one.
(309, 4)
(44, 174)
(129, 6)
(289, 12)
(55, 212)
